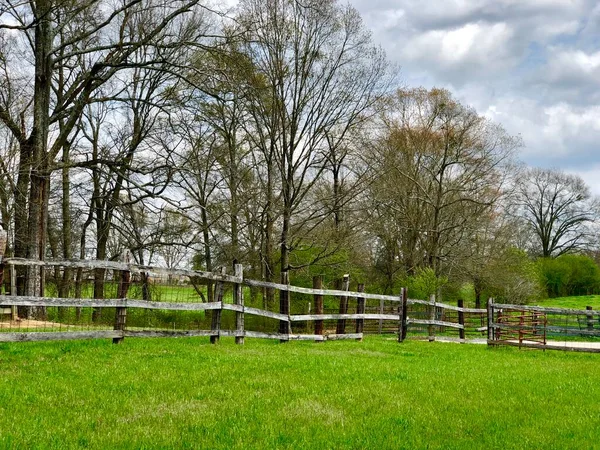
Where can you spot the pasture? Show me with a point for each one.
(185, 393)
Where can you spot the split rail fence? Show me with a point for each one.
(106, 299)
(143, 301)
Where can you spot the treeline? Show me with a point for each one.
(274, 134)
(569, 275)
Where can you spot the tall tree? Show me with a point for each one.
(558, 208)
(437, 169)
(316, 74)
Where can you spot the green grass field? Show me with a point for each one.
(185, 393)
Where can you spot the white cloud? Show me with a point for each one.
(571, 121)
(559, 135)
(568, 75)
(568, 65)
(478, 46)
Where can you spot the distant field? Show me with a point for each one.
(572, 302)
(161, 393)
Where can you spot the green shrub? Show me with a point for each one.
(424, 283)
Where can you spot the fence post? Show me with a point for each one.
(430, 328)
(238, 299)
(318, 284)
(360, 309)
(284, 306)
(3, 243)
(402, 316)
(341, 323)
(381, 307)
(123, 287)
(490, 319)
(590, 319)
(215, 326)
(13, 291)
(461, 319)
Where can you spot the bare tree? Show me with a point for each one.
(558, 209)
(199, 178)
(437, 169)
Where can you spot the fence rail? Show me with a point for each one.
(324, 292)
(122, 266)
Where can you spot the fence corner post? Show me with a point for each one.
(13, 291)
(123, 287)
(381, 310)
(11, 268)
(341, 323)
(590, 319)
(360, 309)
(461, 320)
(404, 313)
(238, 297)
(318, 284)
(3, 245)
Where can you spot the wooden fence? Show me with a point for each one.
(127, 304)
(314, 314)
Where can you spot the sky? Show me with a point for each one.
(531, 65)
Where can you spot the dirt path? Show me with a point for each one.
(572, 344)
(551, 345)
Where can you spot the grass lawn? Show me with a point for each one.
(185, 393)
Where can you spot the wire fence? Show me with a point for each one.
(544, 327)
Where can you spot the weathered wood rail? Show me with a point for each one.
(505, 324)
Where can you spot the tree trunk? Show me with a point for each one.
(146, 291)
(477, 289)
(337, 199)
(233, 190)
(20, 217)
(269, 231)
(207, 252)
(100, 274)
(39, 174)
(65, 283)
